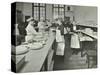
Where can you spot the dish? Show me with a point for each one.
(35, 46)
(39, 36)
(19, 50)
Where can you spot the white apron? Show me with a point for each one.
(60, 43)
(75, 42)
(59, 37)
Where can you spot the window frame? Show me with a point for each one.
(39, 7)
(58, 7)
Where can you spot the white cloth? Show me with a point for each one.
(75, 42)
(31, 32)
(88, 31)
(85, 37)
(60, 49)
(74, 27)
(59, 37)
(65, 31)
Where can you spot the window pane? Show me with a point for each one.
(36, 4)
(55, 11)
(61, 5)
(42, 4)
(35, 9)
(61, 11)
(41, 9)
(42, 12)
(38, 12)
(55, 5)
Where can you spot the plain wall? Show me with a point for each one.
(49, 12)
(85, 14)
(26, 9)
(19, 6)
(69, 13)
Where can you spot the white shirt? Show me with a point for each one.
(30, 33)
(30, 30)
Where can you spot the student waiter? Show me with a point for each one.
(67, 35)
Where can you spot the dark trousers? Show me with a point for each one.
(67, 49)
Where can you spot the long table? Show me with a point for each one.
(90, 35)
(36, 58)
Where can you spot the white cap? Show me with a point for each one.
(29, 19)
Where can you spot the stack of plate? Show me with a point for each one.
(35, 46)
(19, 50)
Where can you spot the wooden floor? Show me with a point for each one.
(70, 61)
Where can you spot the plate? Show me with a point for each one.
(35, 46)
(18, 50)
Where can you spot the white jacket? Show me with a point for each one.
(31, 32)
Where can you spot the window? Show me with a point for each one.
(59, 10)
(39, 10)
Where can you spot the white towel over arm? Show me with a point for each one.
(60, 43)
